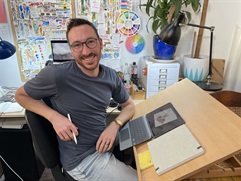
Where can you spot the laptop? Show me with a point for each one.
(61, 51)
(173, 149)
(152, 125)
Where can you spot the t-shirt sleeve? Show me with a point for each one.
(42, 85)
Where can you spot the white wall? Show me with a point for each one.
(9, 71)
(223, 14)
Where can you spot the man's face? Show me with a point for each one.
(87, 58)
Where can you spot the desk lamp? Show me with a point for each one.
(168, 34)
(6, 49)
(208, 85)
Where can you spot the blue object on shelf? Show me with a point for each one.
(163, 50)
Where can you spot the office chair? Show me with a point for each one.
(46, 145)
(230, 99)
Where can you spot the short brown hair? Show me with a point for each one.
(78, 22)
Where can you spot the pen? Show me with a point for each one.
(75, 140)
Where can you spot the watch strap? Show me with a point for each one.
(119, 122)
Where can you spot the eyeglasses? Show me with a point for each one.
(90, 43)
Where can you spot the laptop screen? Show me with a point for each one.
(61, 51)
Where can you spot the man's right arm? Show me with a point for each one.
(60, 123)
(37, 106)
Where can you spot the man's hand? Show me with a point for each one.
(107, 138)
(63, 127)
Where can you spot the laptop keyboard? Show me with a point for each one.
(139, 131)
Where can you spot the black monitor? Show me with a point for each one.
(61, 51)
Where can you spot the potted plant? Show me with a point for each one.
(163, 12)
(167, 15)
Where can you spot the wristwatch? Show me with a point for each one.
(119, 122)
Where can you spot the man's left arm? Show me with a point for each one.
(107, 137)
(127, 112)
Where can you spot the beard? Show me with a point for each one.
(90, 62)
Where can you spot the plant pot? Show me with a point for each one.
(162, 50)
(195, 69)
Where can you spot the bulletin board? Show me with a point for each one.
(36, 22)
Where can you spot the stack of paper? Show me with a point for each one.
(7, 107)
(13, 123)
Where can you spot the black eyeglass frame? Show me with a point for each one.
(82, 45)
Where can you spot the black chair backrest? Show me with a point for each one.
(44, 138)
(46, 144)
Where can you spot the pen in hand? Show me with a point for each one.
(75, 140)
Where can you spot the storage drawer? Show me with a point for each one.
(160, 84)
(158, 76)
(164, 68)
(162, 76)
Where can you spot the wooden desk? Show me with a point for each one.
(216, 128)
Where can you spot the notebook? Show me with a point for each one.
(173, 149)
(145, 160)
(154, 124)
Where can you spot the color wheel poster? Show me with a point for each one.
(128, 23)
(135, 44)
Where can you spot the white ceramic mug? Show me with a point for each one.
(195, 69)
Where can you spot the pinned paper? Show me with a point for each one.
(95, 6)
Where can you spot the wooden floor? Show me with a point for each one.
(47, 176)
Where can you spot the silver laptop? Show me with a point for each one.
(154, 124)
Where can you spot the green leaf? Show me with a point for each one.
(164, 23)
(195, 5)
(188, 16)
(148, 23)
(178, 6)
(159, 13)
(155, 25)
(158, 10)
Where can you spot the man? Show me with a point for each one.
(82, 89)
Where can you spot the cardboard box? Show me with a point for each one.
(218, 70)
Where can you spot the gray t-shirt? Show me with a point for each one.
(84, 98)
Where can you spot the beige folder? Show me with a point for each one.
(173, 149)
